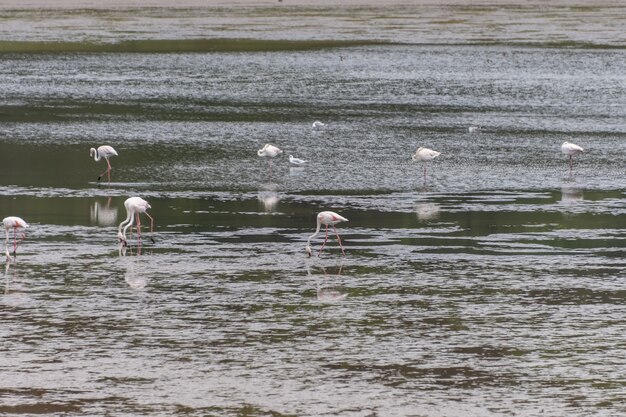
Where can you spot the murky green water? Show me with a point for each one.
(492, 287)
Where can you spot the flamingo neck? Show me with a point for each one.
(96, 155)
(319, 224)
(129, 219)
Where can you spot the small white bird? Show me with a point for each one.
(134, 206)
(474, 129)
(13, 222)
(104, 151)
(318, 125)
(571, 150)
(424, 155)
(327, 218)
(296, 161)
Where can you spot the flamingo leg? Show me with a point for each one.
(14, 240)
(339, 240)
(570, 163)
(138, 227)
(325, 240)
(151, 223)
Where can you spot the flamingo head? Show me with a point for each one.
(122, 239)
(92, 151)
(308, 250)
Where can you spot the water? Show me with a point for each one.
(494, 286)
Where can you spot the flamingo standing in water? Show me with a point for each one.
(13, 222)
(270, 152)
(571, 150)
(425, 155)
(134, 206)
(104, 151)
(327, 218)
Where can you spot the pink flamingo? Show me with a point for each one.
(327, 218)
(270, 152)
(425, 155)
(571, 150)
(134, 206)
(104, 151)
(13, 222)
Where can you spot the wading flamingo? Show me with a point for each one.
(327, 218)
(425, 155)
(104, 151)
(14, 223)
(270, 152)
(571, 150)
(134, 206)
(317, 125)
(296, 161)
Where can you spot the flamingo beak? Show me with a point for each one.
(308, 251)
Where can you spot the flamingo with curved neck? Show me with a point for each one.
(327, 218)
(13, 222)
(134, 206)
(104, 151)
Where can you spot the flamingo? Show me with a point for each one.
(327, 218)
(296, 161)
(134, 206)
(317, 125)
(474, 129)
(571, 150)
(104, 151)
(13, 222)
(425, 155)
(270, 152)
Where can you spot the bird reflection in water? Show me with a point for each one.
(325, 292)
(102, 214)
(427, 211)
(268, 197)
(571, 195)
(13, 296)
(136, 281)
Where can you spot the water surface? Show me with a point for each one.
(492, 286)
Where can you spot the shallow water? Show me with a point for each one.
(492, 286)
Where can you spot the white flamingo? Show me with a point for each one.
(424, 155)
(327, 218)
(571, 150)
(15, 223)
(317, 125)
(134, 206)
(269, 151)
(104, 151)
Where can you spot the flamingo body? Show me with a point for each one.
(425, 155)
(571, 150)
(317, 125)
(326, 218)
(474, 129)
(106, 152)
(15, 223)
(269, 151)
(296, 161)
(134, 206)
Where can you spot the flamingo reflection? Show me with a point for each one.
(325, 292)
